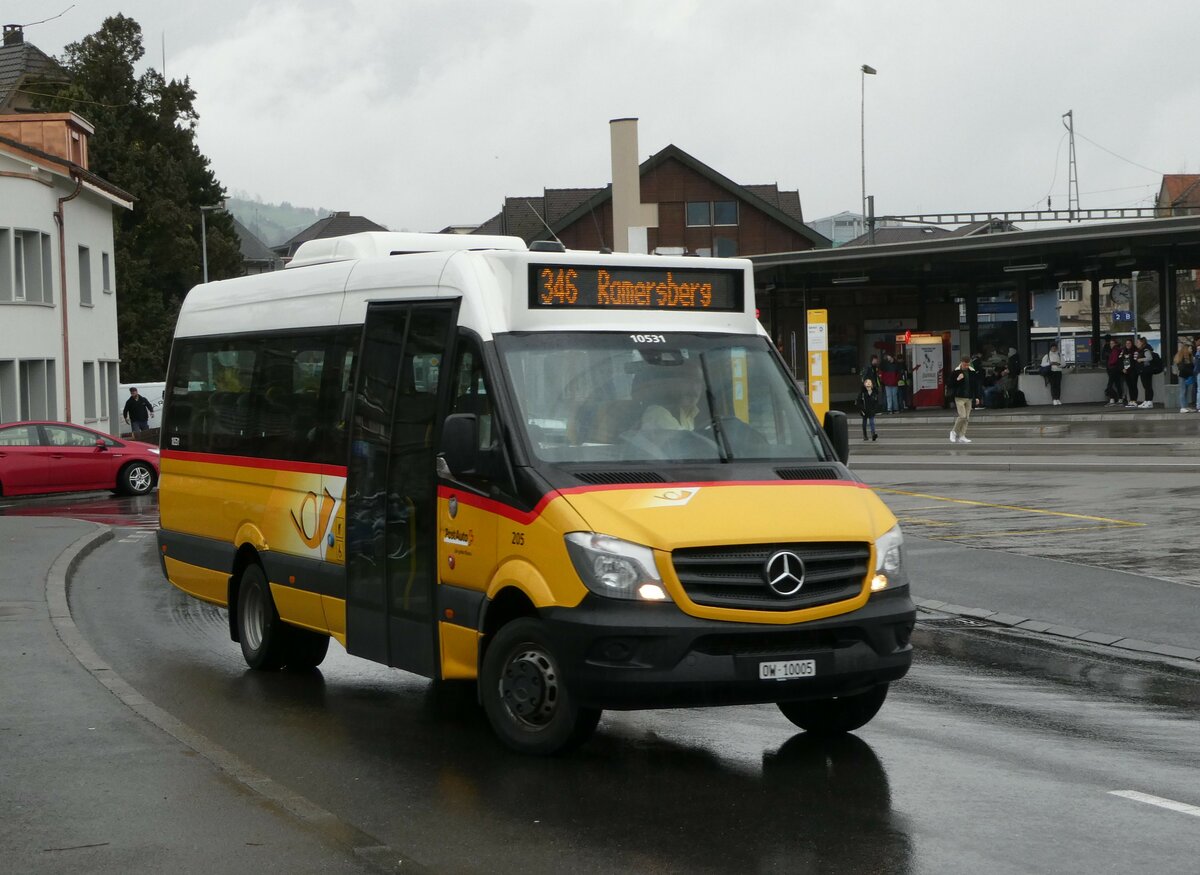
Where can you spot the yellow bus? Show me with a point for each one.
(584, 480)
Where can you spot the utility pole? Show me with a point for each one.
(1073, 168)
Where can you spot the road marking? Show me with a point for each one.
(1049, 530)
(1170, 804)
(1075, 516)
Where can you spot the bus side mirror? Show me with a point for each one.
(460, 443)
(838, 433)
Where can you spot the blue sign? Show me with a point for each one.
(1122, 316)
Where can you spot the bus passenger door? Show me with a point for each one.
(391, 487)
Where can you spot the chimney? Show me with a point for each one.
(14, 35)
(631, 217)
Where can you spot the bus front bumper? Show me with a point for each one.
(622, 655)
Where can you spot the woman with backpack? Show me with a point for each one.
(1149, 364)
(1184, 362)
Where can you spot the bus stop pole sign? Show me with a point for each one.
(818, 362)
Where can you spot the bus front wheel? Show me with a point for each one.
(837, 715)
(525, 694)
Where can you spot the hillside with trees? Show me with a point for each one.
(272, 223)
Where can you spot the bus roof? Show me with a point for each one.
(498, 280)
(372, 244)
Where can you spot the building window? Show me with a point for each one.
(9, 409)
(106, 273)
(725, 247)
(725, 213)
(37, 389)
(25, 267)
(85, 276)
(18, 266)
(1070, 292)
(698, 214)
(89, 391)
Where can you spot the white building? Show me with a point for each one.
(58, 301)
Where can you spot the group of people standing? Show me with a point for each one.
(1127, 365)
(883, 383)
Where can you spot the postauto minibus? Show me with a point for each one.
(583, 480)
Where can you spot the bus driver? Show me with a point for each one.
(672, 397)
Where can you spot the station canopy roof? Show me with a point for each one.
(1048, 256)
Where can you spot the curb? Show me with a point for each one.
(364, 847)
(966, 463)
(1134, 645)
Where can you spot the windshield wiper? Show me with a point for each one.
(723, 448)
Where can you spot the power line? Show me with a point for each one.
(1122, 157)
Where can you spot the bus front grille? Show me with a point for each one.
(737, 576)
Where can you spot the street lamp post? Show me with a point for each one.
(204, 239)
(867, 70)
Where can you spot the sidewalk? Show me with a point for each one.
(89, 779)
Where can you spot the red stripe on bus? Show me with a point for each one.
(526, 517)
(253, 462)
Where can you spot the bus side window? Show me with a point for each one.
(470, 393)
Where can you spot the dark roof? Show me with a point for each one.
(253, 249)
(903, 234)
(334, 225)
(564, 206)
(71, 168)
(988, 226)
(24, 64)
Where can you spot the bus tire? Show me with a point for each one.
(136, 478)
(525, 695)
(305, 649)
(837, 715)
(263, 635)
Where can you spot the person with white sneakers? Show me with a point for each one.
(962, 381)
(1149, 364)
(1053, 372)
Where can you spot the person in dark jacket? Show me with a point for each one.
(1130, 370)
(1145, 356)
(1111, 356)
(962, 384)
(137, 412)
(868, 406)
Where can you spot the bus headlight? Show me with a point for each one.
(889, 560)
(614, 568)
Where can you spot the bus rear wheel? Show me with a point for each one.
(837, 715)
(267, 642)
(525, 694)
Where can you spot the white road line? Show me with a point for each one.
(1181, 807)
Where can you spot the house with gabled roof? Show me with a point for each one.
(696, 210)
(24, 70)
(1179, 195)
(257, 257)
(334, 225)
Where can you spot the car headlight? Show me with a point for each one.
(614, 568)
(889, 560)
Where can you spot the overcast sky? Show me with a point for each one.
(424, 114)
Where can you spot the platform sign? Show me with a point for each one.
(818, 362)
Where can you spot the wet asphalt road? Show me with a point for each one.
(997, 754)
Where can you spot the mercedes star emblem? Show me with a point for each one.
(784, 573)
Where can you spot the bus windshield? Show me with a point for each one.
(608, 397)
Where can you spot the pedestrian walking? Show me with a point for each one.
(868, 405)
(1129, 372)
(137, 413)
(962, 382)
(1052, 370)
(1184, 364)
(1115, 390)
(1149, 364)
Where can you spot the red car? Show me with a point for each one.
(61, 457)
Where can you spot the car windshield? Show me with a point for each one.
(608, 397)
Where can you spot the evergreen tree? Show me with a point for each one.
(145, 142)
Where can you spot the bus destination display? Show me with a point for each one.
(589, 287)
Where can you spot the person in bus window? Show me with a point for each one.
(672, 397)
